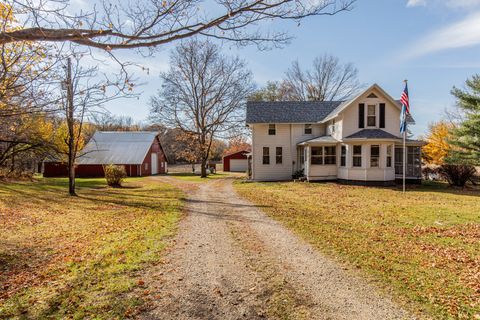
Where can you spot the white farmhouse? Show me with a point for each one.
(356, 141)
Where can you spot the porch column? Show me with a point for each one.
(307, 160)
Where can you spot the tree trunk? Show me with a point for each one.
(204, 168)
(71, 172)
(71, 132)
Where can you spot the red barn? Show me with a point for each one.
(236, 162)
(139, 152)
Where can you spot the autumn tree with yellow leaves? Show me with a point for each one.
(25, 125)
(438, 146)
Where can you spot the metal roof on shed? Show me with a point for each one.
(112, 147)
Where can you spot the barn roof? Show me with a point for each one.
(116, 147)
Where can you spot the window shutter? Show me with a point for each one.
(382, 115)
(361, 115)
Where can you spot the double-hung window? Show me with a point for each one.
(330, 155)
(278, 155)
(374, 155)
(266, 155)
(272, 130)
(357, 156)
(389, 156)
(307, 129)
(343, 156)
(371, 115)
(317, 155)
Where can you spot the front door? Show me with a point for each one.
(154, 163)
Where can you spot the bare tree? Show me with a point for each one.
(110, 122)
(203, 94)
(149, 23)
(327, 80)
(272, 91)
(83, 94)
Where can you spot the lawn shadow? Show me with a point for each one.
(441, 187)
(21, 259)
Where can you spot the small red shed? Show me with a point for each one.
(236, 162)
(139, 152)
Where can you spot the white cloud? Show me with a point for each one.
(416, 3)
(458, 4)
(465, 33)
(462, 3)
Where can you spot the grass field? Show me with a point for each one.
(423, 247)
(81, 257)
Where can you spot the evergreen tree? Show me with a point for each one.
(466, 136)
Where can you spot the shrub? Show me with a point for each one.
(430, 173)
(298, 174)
(15, 175)
(114, 175)
(457, 174)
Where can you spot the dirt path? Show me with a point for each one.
(230, 261)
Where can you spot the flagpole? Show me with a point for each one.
(404, 156)
(404, 149)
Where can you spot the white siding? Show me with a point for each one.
(346, 123)
(350, 115)
(282, 138)
(365, 172)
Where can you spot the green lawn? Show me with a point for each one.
(424, 246)
(81, 257)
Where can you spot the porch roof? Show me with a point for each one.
(372, 134)
(319, 140)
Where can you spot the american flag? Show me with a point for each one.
(405, 109)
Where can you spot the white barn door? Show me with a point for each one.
(154, 163)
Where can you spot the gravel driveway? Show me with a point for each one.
(230, 261)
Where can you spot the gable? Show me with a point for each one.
(373, 92)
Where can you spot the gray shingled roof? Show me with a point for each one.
(372, 134)
(117, 147)
(289, 111)
(321, 139)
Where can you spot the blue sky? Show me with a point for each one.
(435, 44)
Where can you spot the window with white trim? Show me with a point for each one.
(371, 115)
(278, 155)
(323, 155)
(330, 155)
(272, 130)
(357, 156)
(266, 155)
(343, 156)
(374, 155)
(317, 155)
(389, 156)
(307, 129)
